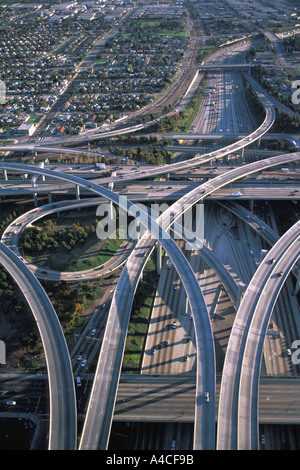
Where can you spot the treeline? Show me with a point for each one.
(154, 155)
(292, 44)
(260, 74)
(145, 29)
(255, 105)
(286, 122)
(71, 301)
(133, 139)
(51, 239)
(7, 220)
(182, 121)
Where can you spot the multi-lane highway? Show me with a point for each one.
(198, 308)
(237, 172)
(165, 220)
(102, 401)
(171, 398)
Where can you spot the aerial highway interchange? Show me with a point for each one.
(251, 283)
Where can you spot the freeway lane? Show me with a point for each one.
(13, 231)
(63, 420)
(270, 116)
(286, 252)
(255, 309)
(241, 144)
(166, 220)
(95, 436)
(164, 397)
(206, 367)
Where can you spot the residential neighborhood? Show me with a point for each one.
(46, 68)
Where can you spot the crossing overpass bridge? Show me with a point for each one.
(172, 398)
(224, 67)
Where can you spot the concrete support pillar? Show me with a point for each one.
(263, 254)
(241, 290)
(50, 198)
(138, 230)
(77, 192)
(187, 309)
(35, 200)
(111, 211)
(297, 288)
(111, 185)
(5, 175)
(159, 258)
(251, 205)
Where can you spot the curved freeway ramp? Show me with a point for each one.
(167, 219)
(63, 416)
(100, 411)
(18, 225)
(193, 198)
(268, 282)
(220, 153)
(206, 368)
(237, 416)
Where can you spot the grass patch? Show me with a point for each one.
(181, 122)
(67, 245)
(33, 119)
(140, 316)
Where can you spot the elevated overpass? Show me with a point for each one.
(237, 415)
(220, 136)
(95, 435)
(63, 413)
(171, 398)
(224, 67)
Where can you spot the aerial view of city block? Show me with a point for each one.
(150, 226)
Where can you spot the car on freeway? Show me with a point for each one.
(93, 332)
(11, 403)
(206, 397)
(288, 351)
(152, 351)
(83, 362)
(79, 358)
(175, 287)
(174, 324)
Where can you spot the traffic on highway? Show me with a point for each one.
(218, 228)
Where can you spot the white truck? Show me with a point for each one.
(100, 166)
